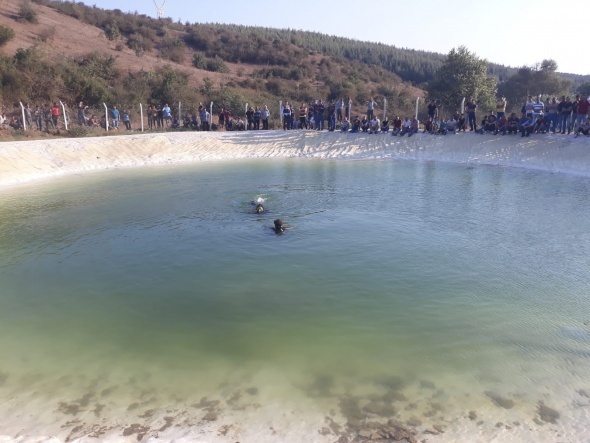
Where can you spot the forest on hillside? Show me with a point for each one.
(287, 65)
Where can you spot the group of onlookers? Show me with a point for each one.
(563, 116)
(40, 116)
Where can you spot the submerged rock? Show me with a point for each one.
(472, 415)
(414, 421)
(210, 416)
(501, 402)
(350, 409)
(252, 391)
(392, 382)
(546, 413)
(321, 386)
(427, 384)
(380, 409)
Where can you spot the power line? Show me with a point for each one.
(160, 9)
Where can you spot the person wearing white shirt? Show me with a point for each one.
(538, 108)
(452, 125)
(374, 126)
(406, 126)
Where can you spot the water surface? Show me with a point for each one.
(432, 289)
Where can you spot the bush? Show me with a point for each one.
(47, 34)
(27, 13)
(78, 131)
(112, 31)
(199, 61)
(216, 65)
(6, 34)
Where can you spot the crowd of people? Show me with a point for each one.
(536, 117)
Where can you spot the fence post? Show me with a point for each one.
(211, 114)
(106, 117)
(384, 107)
(179, 111)
(417, 101)
(22, 108)
(141, 115)
(281, 112)
(349, 108)
(463, 106)
(63, 109)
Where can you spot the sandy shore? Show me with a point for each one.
(22, 162)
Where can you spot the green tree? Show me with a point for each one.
(112, 31)
(541, 79)
(6, 34)
(584, 89)
(463, 74)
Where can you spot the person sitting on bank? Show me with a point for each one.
(345, 125)
(407, 123)
(397, 125)
(374, 126)
(527, 126)
(15, 123)
(540, 125)
(385, 125)
(584, 129)
(414, 126)
(93, 121)
(512, 124)
(452, 125)
(365, 124)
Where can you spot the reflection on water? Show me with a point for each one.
(439, 298)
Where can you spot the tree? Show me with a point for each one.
(6, 34)
(584, 89)
(540, 79)
(463, 74)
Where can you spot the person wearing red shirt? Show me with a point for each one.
(582, 112)
(397, 125)
(55, 114)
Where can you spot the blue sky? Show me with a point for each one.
(509, 32)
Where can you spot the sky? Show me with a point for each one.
(508, 32)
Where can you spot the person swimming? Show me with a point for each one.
(279, 227)
(259, 208)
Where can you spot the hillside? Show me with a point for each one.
(79, 53)
(92, 55)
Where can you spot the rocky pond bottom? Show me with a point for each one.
(406, 301)
(322, 409)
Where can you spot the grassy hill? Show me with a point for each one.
(73, 52)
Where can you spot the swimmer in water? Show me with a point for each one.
(259, 208)
(279, 226)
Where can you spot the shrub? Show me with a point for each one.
(47, 34)
(27, 13)
(112, 31)
(199, 61)
(6, 34)
(216, 65)
(78, 131)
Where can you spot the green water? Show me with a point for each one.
(164, 284)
